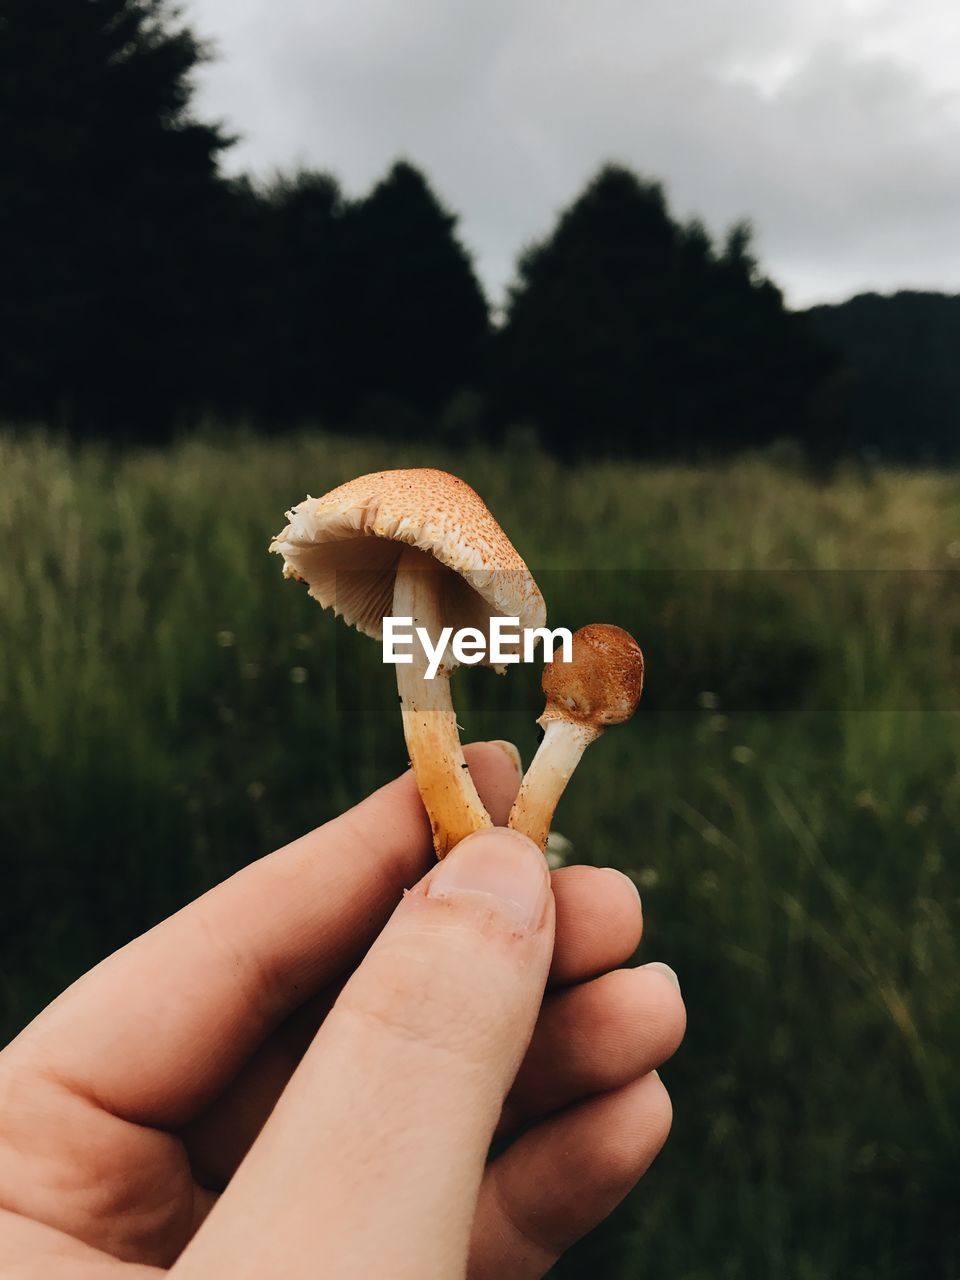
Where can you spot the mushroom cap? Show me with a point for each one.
(603, 682)
(346, 546)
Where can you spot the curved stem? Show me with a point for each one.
(564, 742)
(429, 722)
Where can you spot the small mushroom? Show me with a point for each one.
(419, 544)
(599, 687)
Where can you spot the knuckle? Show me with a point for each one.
(407, 999)
(536, 1239)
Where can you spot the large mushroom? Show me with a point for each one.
(419, 544)
(600, 686)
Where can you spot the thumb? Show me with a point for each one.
(376, 1149)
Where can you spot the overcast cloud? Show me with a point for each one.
(833, 124)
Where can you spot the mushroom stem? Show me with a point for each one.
(429, 722)
(599, 686)
(564, 742)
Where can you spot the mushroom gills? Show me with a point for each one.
(422, 544)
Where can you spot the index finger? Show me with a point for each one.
(156, 1030)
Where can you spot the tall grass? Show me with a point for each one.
(788, 798)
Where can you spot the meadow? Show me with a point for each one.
(787, 798)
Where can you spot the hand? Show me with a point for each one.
(301, 1073)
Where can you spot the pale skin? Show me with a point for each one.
(301, 1073)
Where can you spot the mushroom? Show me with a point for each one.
(418, 544)
(600, 686)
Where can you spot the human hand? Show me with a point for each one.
(297, 1075)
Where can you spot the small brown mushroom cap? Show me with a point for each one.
(346, 546)
(603, 682)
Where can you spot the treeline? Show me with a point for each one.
(141, 290)
(897, 394)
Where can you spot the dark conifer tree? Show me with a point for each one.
(899, 396)
(112, 242)
(299, 320)
(412, 317)
(627, 333)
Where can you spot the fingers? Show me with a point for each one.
(159, 1028)
(598, 925)
(599, 922)
(596, 1037)
(377, 1146)
(219, 1138)
(497, 782)
(562, 1178)
(29, 1248)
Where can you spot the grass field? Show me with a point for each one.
(788, 798)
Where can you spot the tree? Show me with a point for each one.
(114, 269)
(411, 315)
(627, 333)
(900, 391)
(300, 312)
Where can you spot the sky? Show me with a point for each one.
(833, 125)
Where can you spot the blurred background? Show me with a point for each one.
(675, 292)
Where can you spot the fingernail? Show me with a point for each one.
(502, 866)
(658, 967)
(511, 752)
(623, 876)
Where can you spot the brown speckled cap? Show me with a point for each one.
(346, 546)
(603, 683)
